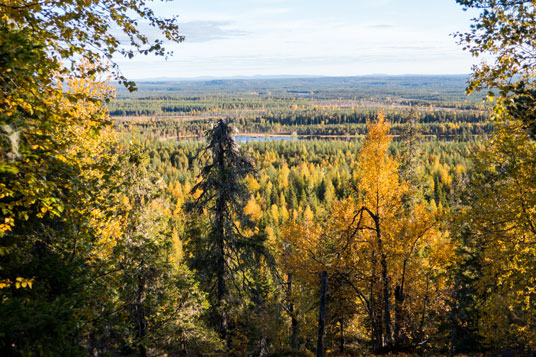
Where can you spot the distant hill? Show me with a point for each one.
(420, 86)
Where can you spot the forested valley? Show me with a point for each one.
(344, 216)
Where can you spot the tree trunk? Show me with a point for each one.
(452, 349)
(399, 300)
(341, 336)
(386, 304)
(293, 320)
(385, 281)
(221, 284)
(454, 318)
(141, 322)
(375, 309)
(219, 227)
(423, 314)
(294, 336)
(399, 307)
(322, 314)
(222, 290)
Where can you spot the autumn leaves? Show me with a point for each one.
(384, 253)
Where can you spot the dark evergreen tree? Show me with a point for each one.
(222, 254)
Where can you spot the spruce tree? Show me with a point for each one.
(224, 253)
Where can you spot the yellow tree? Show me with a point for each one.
(309, 249)
(392, 250)
(384, 253)
(304, 254)
(502, 215)
(61, 199)
(501, 210)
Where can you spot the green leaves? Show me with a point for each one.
(71, 29)
(502, 216)
(501, 212)
(61, 220)
(505, 31)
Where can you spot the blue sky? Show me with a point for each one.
(299, 37)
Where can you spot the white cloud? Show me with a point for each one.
(203, 31)
(303, 37)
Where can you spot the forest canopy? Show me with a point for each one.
(375, 220)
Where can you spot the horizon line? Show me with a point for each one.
(293, 76)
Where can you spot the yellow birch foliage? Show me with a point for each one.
(381, 250)
(396, 247)
(91, 155)
(63, 172)
(253, 209)
(503, 216)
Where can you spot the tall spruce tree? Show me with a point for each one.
(224, 251)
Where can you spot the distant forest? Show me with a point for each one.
(336, 107)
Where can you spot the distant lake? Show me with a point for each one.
(288, 138)
(244, 138)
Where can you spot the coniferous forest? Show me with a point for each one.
(336, 216)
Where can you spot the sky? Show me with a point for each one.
(310, 38)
